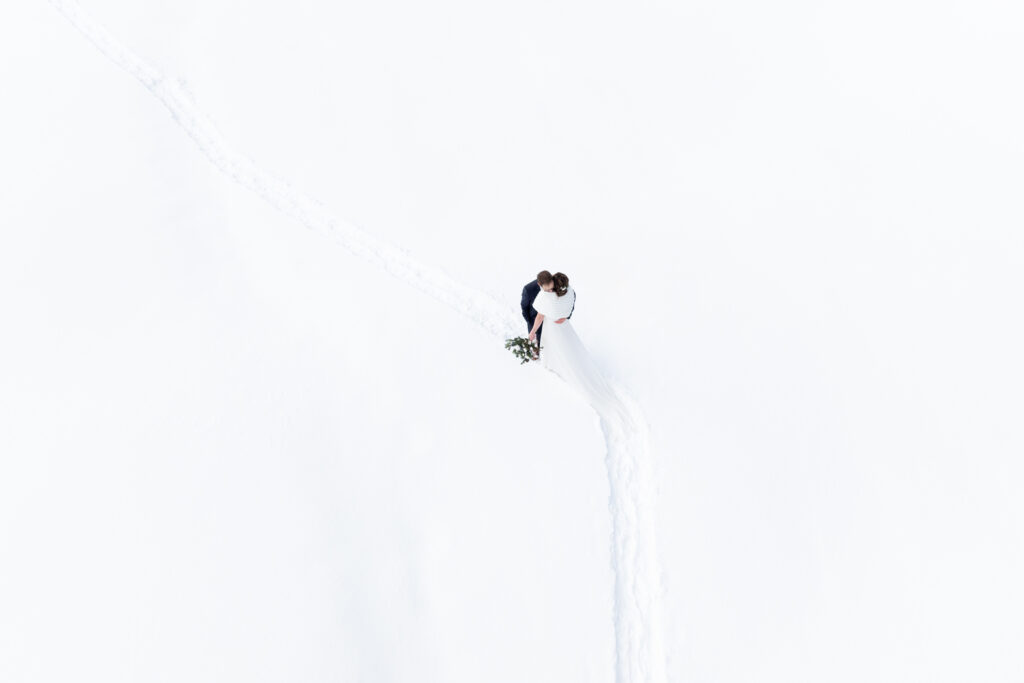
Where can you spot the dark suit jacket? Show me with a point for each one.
(530, 292)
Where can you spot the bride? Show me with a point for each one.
(564, 353)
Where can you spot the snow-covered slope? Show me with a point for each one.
(637, 593)
(203, 473)
(233, 450)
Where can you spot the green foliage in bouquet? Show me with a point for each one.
(524, 349)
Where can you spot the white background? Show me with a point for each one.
(229, 450)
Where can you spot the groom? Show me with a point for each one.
(546, 282)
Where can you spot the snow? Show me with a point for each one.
(236, 448)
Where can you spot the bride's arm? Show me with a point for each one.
(536, 324)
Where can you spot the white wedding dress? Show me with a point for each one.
(563, 353)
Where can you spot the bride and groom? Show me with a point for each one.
(550, 297)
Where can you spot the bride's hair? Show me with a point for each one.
(561, 283)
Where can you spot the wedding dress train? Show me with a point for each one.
(563, 352)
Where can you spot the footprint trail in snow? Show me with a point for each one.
(639, 653)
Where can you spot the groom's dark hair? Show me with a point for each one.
(544, 277)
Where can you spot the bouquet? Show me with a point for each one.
(523, 349)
